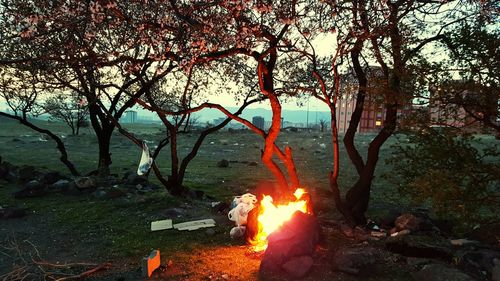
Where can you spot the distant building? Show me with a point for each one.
(454, 104)
(217, 121)
(258, 121)
(373, 115)
(129, 117)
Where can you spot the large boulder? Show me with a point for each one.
(354, 260)
(60, 186)
(420, 246)
(85, 183)
(51, 177)
(439, 272)
(8, 171)
(408, 221)
(292, 245)
(27, 173)
(134, 179)
(223, 163)
(12, 213)
(479, 262)
(30, 190)
(487, 233)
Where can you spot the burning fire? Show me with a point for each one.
(271, 217)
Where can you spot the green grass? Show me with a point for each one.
(124, 226)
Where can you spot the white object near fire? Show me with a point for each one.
(193, 225)
(161, 225)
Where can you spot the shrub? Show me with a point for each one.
(458, 175)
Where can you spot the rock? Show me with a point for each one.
(30, 190)
(174, 213)
(420, 246)
(8, 172)
(347, 230)
(388, 217)
(3, 170)
(298, 267)
(439, 272)
(399, 233)
(109, 194)
(85, 183)
(135, 179)
(237, 232)
(196, 194)
(408, 221)
(353, 260)
(253, 163)
(418, 261)
(479, 262)
(60, 186)
(99, 194)
(51, 177)
(495, 272)
(223, 163)
(462, 242)
(487, 233)
(12, 213)
(220, 207)
(296, 238)
(210, 232)
(27, 173)
(115, 193)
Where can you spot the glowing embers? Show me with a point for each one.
(271, 217)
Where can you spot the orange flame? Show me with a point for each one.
(271, 217)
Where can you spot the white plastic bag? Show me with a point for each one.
(242, 205)
(146, 161)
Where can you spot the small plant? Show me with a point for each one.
(458, 175)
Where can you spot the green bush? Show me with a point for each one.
(458, 175)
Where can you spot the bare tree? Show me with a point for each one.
(21, 91)
(71, 109)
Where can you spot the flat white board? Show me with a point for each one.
(189, 224)
(161, 225)
(195, 227)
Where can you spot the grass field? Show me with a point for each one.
(21, 146)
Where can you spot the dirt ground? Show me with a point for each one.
(204, 255)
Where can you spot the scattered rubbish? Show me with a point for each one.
(161, 225)
(237, 231)
(146, 160)
(462, 242)
(151, 263)
(378, 234)
(240, 207)
(402, 232)
(193, 225)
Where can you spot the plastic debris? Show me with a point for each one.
(240, 207)
(161, 225)
(193, 225)
(151, 263)
(146, 161)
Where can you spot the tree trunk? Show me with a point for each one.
(104, 140)
(59, 142)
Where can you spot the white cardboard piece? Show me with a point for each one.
(161, 225)
(193, 225)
